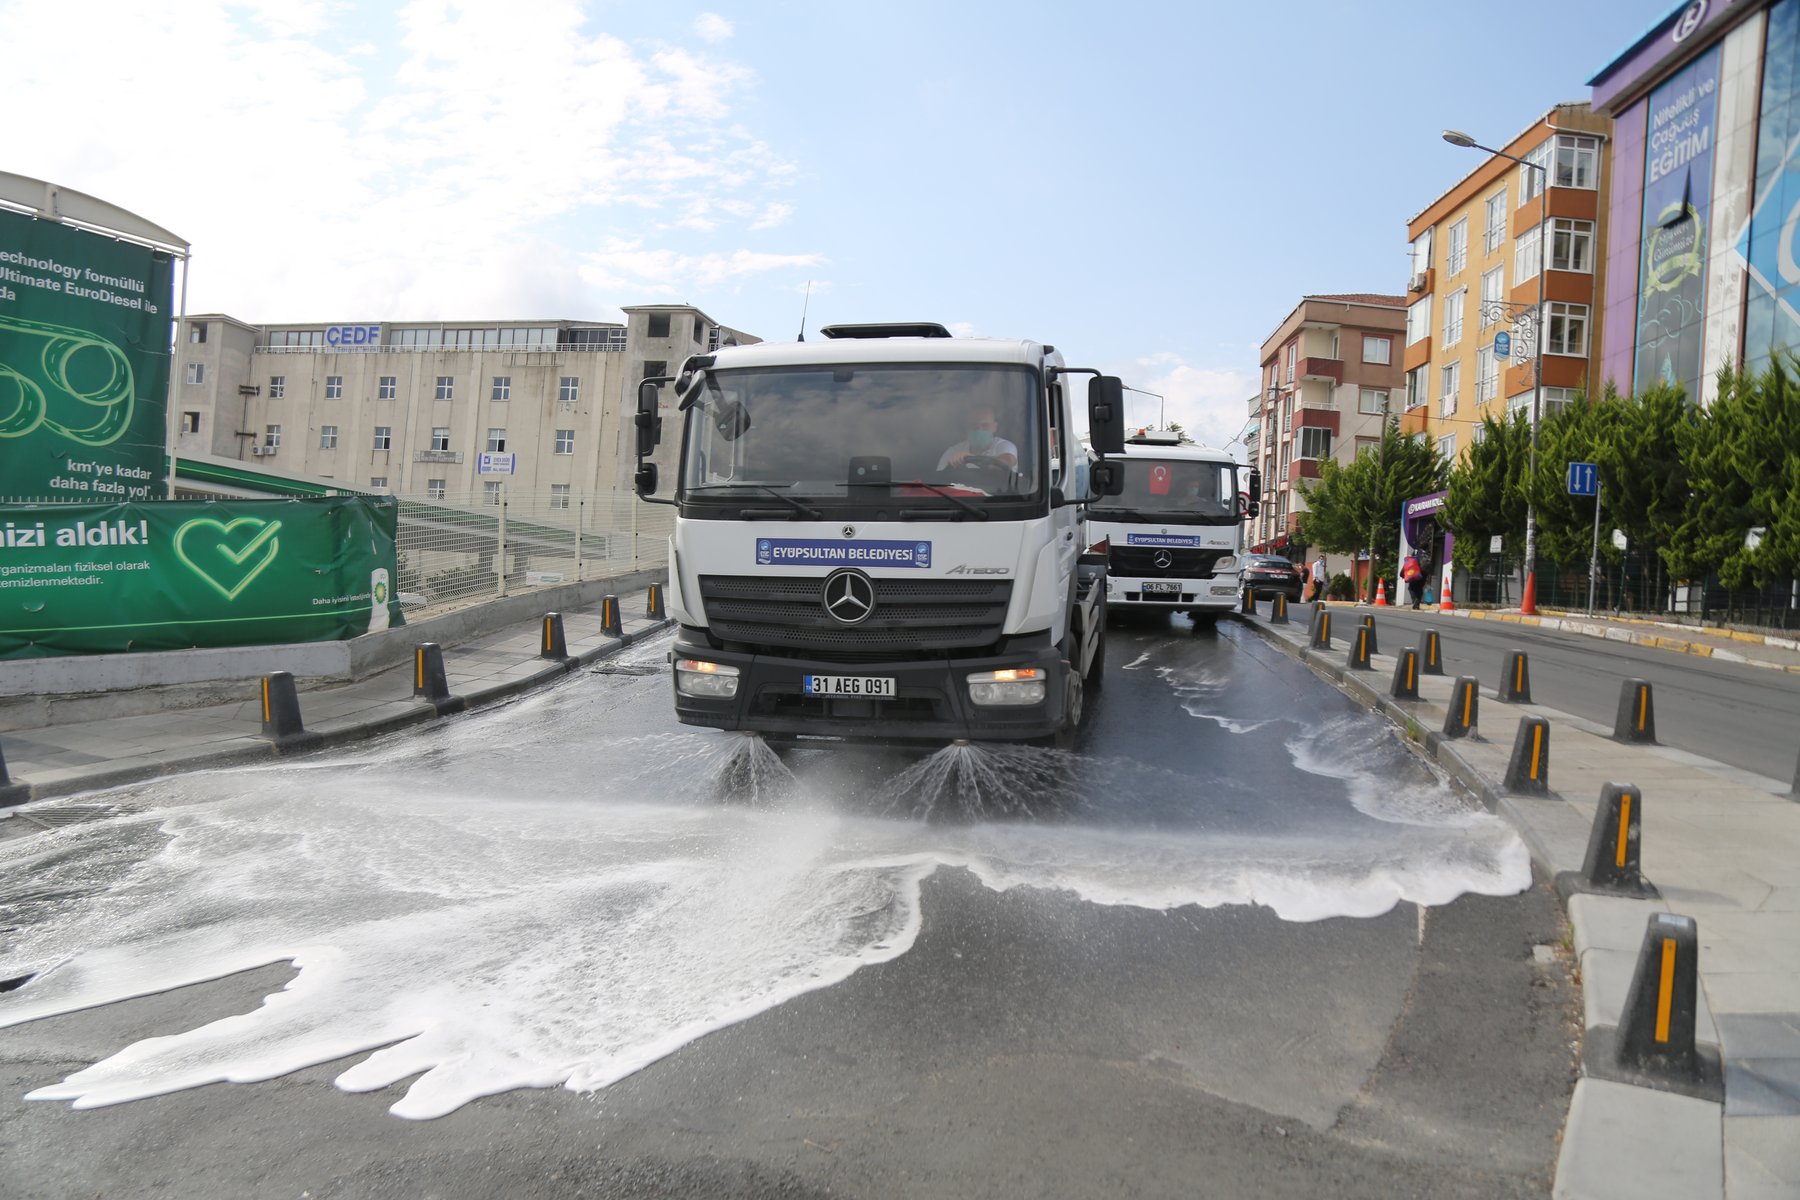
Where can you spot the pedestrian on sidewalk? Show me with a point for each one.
(1414, 575)
(1318, 578)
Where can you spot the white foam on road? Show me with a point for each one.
(490, 927)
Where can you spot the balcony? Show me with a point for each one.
(1302, 468)
(1330, 369)
(1414, 420)
(438, 456)
(1319, 418)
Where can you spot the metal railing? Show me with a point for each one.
(467, 545)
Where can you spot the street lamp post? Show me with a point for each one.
(1528, 599)
(1162, 409)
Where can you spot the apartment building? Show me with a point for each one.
(1481, 292)
(446, 410)
(1330, 373)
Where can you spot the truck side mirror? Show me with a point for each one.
(1106, 417)
(649, 423)
(1254, 506)
(1107, 478)
(644, 479)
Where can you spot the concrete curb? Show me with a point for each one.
(1610, 631)
(253, 747)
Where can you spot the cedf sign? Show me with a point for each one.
(353, 335)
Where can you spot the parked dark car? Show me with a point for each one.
(1268, 574)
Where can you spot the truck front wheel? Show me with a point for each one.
(1064, 737)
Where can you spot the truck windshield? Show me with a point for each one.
(939, 435)
(1174, 490)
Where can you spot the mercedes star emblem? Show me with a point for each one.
(849, 597)
(1163, 560)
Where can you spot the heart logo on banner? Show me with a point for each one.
(220, 554)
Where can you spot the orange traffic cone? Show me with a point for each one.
(1381, 593)
(1444, 604)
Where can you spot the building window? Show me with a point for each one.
(1372, 402)
(1457, 253)
(378, 481)
(434, 489)
(440, 437)
(1453, 316)
(1478, 434)
(196, 372)
(1367, 446)
(1287, 458)
(1531, 182)
(388, 388)
(1493, 288)
(565, 441)
(1293, 353)
(1421, 254)
(1447, 447)
(277, 387)
(334, 387)
(190, 422)
(1452, 384)
(568, 389)
(1527, 256)
(1334, 345)
(1417, 384)
(446, 387)
(1378, 350)
(328, 437)
(502, 388)
(1577, 161)
(197, 333)
(496, 442)
(272, 436)
(1572, 245)
(1487, 375)
(1555, 400)
(1495, 221)
(659, 326)
(384, 437)
(559, 495)
(490, 492)
(1315, 442)
(1565, 329)
(1418, 320)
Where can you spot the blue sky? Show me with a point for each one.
(1150, 186)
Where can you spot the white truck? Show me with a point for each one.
(880, 537)
(1172, 533)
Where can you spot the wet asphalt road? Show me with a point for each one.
(1124, 976)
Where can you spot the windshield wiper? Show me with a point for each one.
(980, 513)
(805, 510)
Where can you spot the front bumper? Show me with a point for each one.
(931, 701)
(1220, 593)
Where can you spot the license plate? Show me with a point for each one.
(848, 685)
(1162, 588)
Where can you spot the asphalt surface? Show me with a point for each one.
(1228, 947)
(1733, 712)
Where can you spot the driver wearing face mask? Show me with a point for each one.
(983, 442)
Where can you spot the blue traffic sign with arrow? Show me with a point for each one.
(1584, 479)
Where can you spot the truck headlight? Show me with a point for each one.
(1018, 685)
(1228, 563)
(711, 680)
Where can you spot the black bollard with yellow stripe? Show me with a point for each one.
(1464, 711)
(1321, 630)
(1278, 609)
(1529, 770)
(1249, 607)
(281, 722)
(611, 625)
(1654, 1043)
(1368, 623)
(1360, 648)
(1636, 721)
(653, 603)
(429, 681)
(1406, 675)
(1612, 866)
(1515, 679)
(1431, 654)
(553, 644)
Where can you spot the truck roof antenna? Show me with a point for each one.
(804, 304)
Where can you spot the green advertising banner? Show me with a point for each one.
(175, 574)
(84, 363)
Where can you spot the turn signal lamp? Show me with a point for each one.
(708, 680)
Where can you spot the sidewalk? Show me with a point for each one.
(1723, 846)
(1728, 645)
(61, 759)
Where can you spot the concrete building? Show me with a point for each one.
(1330, 371)
(1701, 273)
(1477, 259)
(445, 410)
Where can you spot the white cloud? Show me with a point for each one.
(711, 27)
(1211, 403)
(465, 160)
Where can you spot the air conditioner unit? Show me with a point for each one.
(1417, 282)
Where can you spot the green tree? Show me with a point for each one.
(1487, 493)
(1565, 523)
(1643, 480)
(1351, 504)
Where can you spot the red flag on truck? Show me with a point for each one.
(1159, 481)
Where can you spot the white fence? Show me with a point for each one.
(464, 545)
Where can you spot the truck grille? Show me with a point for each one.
(912, 618)
(1139, 562)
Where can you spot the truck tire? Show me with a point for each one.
(1073, 710)
(1203, 620)
(1096, 672)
